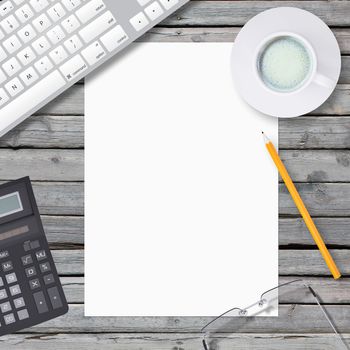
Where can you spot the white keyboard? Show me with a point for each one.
(48, 45)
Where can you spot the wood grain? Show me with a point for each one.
(237, 13)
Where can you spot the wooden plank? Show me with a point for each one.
(68, 165)
(329, 199)
(329, 290)
(292, 319)
(318, 166)
(217, 34)
(66, 231)
(71, 103)
(59, 165)
(168, 341)
(335, 231)
(47, 132)
(292, 262)
(237, 13)
(69, 262)
(60, 198)
(314, 132)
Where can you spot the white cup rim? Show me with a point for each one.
(307, 45)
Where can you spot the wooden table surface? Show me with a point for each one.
(49, 147)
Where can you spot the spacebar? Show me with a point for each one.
(16, 111)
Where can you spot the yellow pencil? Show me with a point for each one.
(302, 209)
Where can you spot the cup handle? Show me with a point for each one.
(324, 81)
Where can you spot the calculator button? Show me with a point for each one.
(48, 279)
(23, 314)
(26, 246)
(40, 302)
(41, 255)
(5, 307)
(1, 282)
(30, 271)
(3, 294)
(10, 318)
(34, 244)
(19, 302)
(55, 298)
(4, 254)
(27, 259)
(34, 284)
(7, 266)
(45, 267)
(11, 278)
(15, 290)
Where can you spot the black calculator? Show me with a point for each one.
(30, 290)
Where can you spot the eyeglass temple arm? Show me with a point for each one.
(327, 317)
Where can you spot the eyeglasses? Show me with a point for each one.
(267, 305)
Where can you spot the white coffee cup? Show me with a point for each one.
(312, 75)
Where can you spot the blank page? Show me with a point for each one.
(181, 195)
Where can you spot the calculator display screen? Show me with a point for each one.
(10, 204)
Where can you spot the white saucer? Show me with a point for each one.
(284, 19)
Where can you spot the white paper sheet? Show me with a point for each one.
(181, 196)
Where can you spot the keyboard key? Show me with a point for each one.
(93, 53)
(73, 68)
(26, 56)
(5, 307)
(3, 97)
(154, 11)
(97, 27)
(35, 244)
(14, 87)
(41, 255)
(58, 55)
(39, 5)
(24, 14)
(55, 298)
(34, 284)
(19, 302)
(41, 45)
(45, 267)
(168, 4)
(55, 35)
(11, 278)
(44, 65)
(48, 279)
(29, 77)
(9, 24)
(90, 10)
(6, 8)
(70, 24)
(2, 76)
(27, 33)
(12, 44)
(114, 38)
(56, 12)
(41, 23)
(30, 271)
(7, 266)
(3, 54)
(15, 290)
(73, 44)
(40, 302)
(30, 99)
(10, 318)
(71, 5)
(22, 314)
(11, 67)
(3, 294)
(143, 2)
(139, 21)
